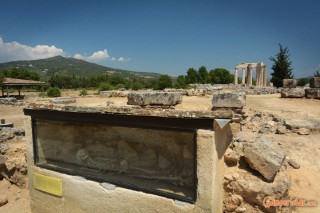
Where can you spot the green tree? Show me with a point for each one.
(192, 76)
(281, 67)
(181, 82)
(302, 81)
(317, 74)
(53, 92)
(220, 76)
(203, 75)
(164, 81)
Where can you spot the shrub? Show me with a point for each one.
(53, 92)
(83, 92)
(104, 86)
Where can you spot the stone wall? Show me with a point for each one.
(82, 195)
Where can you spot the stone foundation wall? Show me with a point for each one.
(82, 195)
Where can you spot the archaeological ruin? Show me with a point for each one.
(261, 74)
(129, 158)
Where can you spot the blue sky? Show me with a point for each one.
(166, 36)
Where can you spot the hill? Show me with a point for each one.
(71, 67)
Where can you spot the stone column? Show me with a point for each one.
(264, 75)
(258, 76)
(243, 81)
(236, 76)
(249, 75)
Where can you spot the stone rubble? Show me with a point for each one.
(63, 100)
(114, 93)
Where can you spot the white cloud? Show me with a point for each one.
(99, 55)
(122, 59)
(96, 56)
(15, 51)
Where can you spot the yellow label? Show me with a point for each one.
(48, 184)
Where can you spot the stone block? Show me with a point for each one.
(229, 100)
(264, 157)
(113, 93)
(313, 93)
(292, 93)
(289, 83)
(154, 98)
(315, 82)
(63, 100)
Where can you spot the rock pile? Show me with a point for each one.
(114, 93)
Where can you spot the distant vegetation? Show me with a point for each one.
(69, 73)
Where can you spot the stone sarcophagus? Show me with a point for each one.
(121, 162)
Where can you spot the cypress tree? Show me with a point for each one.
(281, 67)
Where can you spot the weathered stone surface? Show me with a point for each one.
(63, 100)
(313, 93)
(231, 157)
(154, 98)
(2, 160)
(114, 93)
(281, 130)
(315, 82)
(289, 83)
(8, 100)
(264, 157)
(231, 202)
(294, 164)
(229, 99)
(254, 191)
(292, 93)
(3, 199)
(303, 131)
(196, 92)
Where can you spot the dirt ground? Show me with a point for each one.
(304, 149)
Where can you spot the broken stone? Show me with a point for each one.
(281, 130)
(63, 100)
(313, 93)
(292, 93)
(231, 202)
(289, 83)
(154, 98)
(303, 131)
(294, 164)
(264, 157)
(229, 99)
(8, 100)
(241, 209)
(254, 191)
(231, 157)
(2, 160)
(3, 148)
(3, 200)
(315, 82)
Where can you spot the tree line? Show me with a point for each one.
(109, 82)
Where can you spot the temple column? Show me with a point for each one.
(264, 75)
(258, 76)
(243, 81)
(249, 75)
(236, 76)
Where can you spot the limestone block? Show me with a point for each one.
(315, 82)
(113, 93)
(289, 83)
(292, 93)
(63, 100)
(264, 157)
(313, 93)
(8, 100)
(154, 98)
(229, 99)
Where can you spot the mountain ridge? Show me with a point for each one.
(72, 67)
